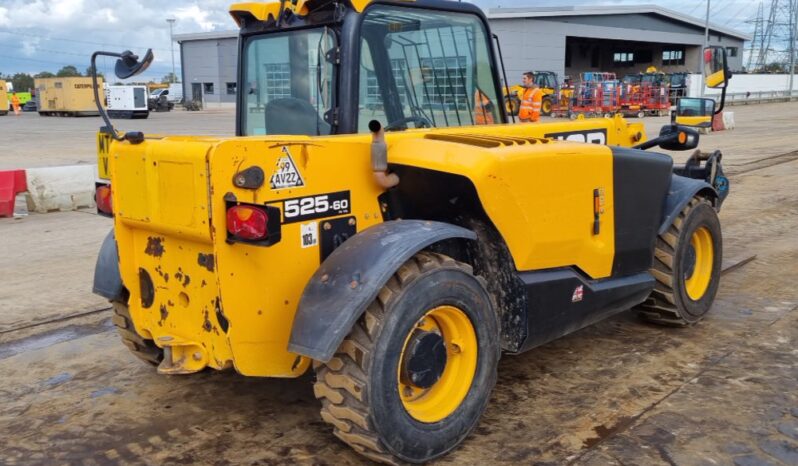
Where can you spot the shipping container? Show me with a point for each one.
(67, 96)
(4, 100)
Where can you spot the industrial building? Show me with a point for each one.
(566, 40)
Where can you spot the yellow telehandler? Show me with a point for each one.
(361, 225)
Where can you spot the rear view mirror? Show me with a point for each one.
(716, 73)
(695, 112)
(675, 137)
(129, 65)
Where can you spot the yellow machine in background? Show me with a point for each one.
(4, 102)
(552, 94)
(67, 96)
(369, 224)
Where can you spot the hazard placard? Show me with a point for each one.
(286, 174)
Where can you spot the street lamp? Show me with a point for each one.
(171, 22)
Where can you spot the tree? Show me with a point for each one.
(45, 74)
(22, 82)
(68, 72)
(169, 78)
(99, 74)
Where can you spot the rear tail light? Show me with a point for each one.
(247, 222)
(102, 196)
(253, 223)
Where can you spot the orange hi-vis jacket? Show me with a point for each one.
(530, 104)
(483, 109)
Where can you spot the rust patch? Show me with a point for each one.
(223, 322)
(206, 261)
(164, 315)
(207, 324)
(154, 246)
(202, 285)
(186, 280)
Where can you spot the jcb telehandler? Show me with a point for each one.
(362, 225)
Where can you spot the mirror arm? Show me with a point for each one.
(100, 108)
(656, 141)
(722, 99)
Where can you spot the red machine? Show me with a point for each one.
(645, 94)
(596, 94)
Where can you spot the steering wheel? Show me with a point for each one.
(419, 121)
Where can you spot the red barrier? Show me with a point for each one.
(12, 182)
(717, 122)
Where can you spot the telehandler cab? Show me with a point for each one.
(361, 224)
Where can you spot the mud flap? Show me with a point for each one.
(683, 189)
(107, 279)
(350, 278)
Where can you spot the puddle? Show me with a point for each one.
(43, 340)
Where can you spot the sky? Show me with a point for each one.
(45, 35)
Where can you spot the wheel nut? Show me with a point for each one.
(197, 356)
(455, 348)
(408, 391)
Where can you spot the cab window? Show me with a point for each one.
(421, 68)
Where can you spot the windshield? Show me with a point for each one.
(425, 68)
(289, 82)
(678, 80)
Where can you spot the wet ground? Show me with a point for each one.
(619, 392)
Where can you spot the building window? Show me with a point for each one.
(58, 85)
(373, 96)
(446, 81)
(673, 57)
(278, 81)
(208, 87)
(732, 51)
(623, 58)
(231, 88)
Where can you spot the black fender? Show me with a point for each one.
(681, 190)
(107, 279)
(350, 278)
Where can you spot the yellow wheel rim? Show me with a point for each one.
(436, 402)
(697, 280)
(547, 106)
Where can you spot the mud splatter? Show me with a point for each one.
(155, 246)
(206, 261)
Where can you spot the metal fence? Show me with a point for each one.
(758, 97)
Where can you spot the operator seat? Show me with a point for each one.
(290, 115)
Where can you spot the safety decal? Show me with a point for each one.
(578, 294)
(309, 234)
(286, 174)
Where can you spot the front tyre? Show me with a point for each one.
(687, 266)
(415, 374)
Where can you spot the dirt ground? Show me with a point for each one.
(620, 392)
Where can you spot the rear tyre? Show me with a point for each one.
(687, 265)
(142, 348)
(415, 374)
(512, 104)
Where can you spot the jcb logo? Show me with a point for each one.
(595, 136)
(103, 151)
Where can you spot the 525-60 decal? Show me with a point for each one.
(301, 209)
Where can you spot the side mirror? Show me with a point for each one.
(672, 137)
(128, 64)
(676, 137)
(716, 71)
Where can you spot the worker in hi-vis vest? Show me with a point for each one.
(531, 100)
(15, 103)
(483, 109)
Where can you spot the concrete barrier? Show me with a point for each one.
(61, 188)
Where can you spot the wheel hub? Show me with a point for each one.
(425, 359)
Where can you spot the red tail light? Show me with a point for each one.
(102, 196)
(247, 222)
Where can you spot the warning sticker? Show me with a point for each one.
(286, 174)
(309, 233)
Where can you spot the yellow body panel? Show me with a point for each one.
(169, 196)
(694, 120)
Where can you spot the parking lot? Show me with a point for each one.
(620, 392)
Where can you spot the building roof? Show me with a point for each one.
(546, 12)
(207, 36)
